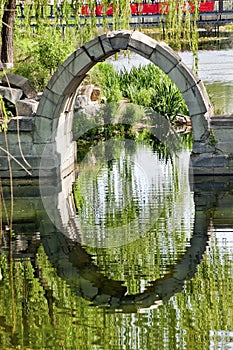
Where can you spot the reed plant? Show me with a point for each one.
(151, 87)
(146, 86)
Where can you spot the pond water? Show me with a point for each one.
(147, 265)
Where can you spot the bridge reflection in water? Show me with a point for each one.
(213, 210)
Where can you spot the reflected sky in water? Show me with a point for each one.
(136, 211)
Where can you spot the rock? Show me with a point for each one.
(95, 95)
(183, 120)
(17, 81)
(87, 91)
(87, 95)
(23, 123)
(81, 101)
(11, 95)
(8, 65)
(26, 107)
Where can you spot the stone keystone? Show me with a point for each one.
(17, 81)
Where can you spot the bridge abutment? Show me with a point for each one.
(216, 156)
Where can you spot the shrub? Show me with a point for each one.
(41, 56)
(151, 87)
(104, 76)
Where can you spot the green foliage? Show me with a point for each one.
(104, 75)
(150, 87)
(40, 57)
(46, 46)
(146, 86)
(5, 113)
(168, 101)
(181, 24)
(132, 114)
(50, 50)
(38, 75)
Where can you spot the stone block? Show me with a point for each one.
(119, 40)
(106, 44)
(78, 63)
(16, 149)
(24, 124)
(17, 145)
(209, 161)
(43, 149)
(69, 122)
(195, 102)
(202, 147)
(47, 174)
(225, 147)
(2, 139)
(3, 163)
(44, 129)
(17, 81)
(26, 107)
(95, 49)
(60, 80)
(61, 130)
(142, 44)
(222, 122)
(49, 162)
(226, 136)
(34, 173)
(81, 101)
(183, 77)
(200, 127)
(10, 94)
(95, 95)
(164, 57)
(205, 96)
(63, 145)
(12, 138)
(49, 103)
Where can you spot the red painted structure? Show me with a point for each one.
(157, 8)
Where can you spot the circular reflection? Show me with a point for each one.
(87, 281)
(129, 221)
(119, 192)
(137, 215)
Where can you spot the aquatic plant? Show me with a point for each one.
(151, 87)
(146, 86)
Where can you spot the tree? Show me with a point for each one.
(7, 34)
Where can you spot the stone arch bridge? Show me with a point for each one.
(51, 132)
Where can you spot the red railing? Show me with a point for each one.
(148, 9)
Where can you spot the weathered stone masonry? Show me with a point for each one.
(51, 128)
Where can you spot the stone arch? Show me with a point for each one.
(56, 105)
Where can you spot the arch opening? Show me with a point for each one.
(53, 122)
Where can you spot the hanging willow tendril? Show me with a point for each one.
(180, 18)
(178, 22)
(3, 115)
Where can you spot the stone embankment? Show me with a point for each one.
(23, 99)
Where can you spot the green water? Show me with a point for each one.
(136, 279)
